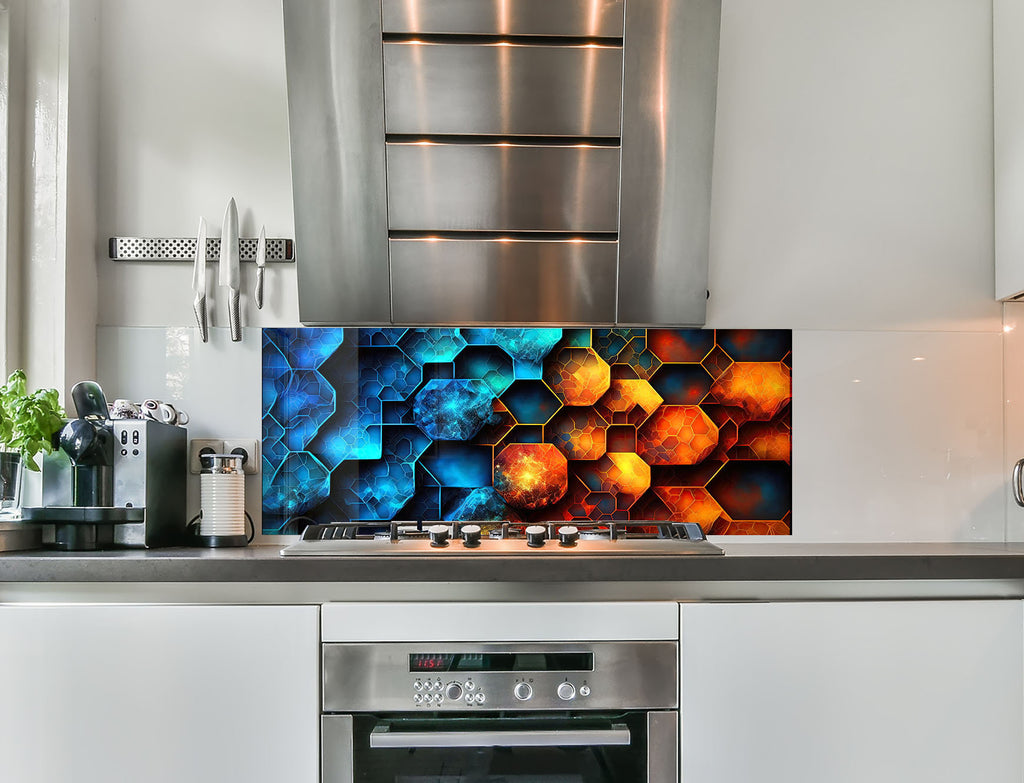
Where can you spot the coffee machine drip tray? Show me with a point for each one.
(83, 527)
(82, 515)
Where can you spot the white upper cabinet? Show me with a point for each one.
(1008, 116)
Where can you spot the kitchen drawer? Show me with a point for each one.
(502, 89)
(495, 281)
(502, 187)
(602, 18)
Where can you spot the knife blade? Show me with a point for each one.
(199, 282)
(229, 274)
(261, 262)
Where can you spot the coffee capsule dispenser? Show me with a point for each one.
(112, 483)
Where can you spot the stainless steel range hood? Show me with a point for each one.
(502, 161)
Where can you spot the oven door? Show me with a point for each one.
(630, 747)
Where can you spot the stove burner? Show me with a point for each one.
(425, 537)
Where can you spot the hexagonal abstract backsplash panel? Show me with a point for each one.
(527, 424)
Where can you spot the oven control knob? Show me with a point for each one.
(584, 690)
(471, 535)
(522, 691)
(568, 535)
(453, 691)
(566, 691)
(438, 535)
(535, 535)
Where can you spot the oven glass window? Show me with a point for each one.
(598, 749)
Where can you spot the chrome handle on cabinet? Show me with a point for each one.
(383, 737)
(1018, 488)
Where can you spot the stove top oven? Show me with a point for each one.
(530, 709)
(468, 539)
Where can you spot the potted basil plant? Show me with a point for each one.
(28, 423)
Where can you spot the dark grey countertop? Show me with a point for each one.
(742, 562)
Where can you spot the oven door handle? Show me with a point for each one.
(382, 737)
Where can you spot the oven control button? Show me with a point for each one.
(584, 690)
(469, 698)
(566, 691)
(471, 535)
(568, 535)
(438, 535)
(535, 535)
(470, 685)
(453, 691)
(522, 691)
(417, 686)
(417, 699)
(479, 698)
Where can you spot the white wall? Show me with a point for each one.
(852, 203)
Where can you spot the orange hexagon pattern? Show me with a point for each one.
(760, 389)
(578, 376)
(677, 435)
(531, 475)
(628, 401)
(691, 504)
(578, 433)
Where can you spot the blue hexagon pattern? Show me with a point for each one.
(453, 409)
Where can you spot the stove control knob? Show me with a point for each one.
(453, 691)
(471, 535)
(535, 535)
(438, 535)
(566, 691)
(568, 535)
(522, 691)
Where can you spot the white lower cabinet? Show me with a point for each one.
(159, 694)
(853, 692)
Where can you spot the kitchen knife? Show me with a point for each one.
(199, 282)
(261, 262)
(229, 275)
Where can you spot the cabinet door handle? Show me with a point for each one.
(1018, 488)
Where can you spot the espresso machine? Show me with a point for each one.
(112, 483)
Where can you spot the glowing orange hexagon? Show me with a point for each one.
(628, 401)
(677, 435)
(690, 504)
(752, 527)
(577, 375)
(578, 433)
(531, 475)
(760, 389)
(623, 473)
(766, 441)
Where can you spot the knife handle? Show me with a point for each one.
(234, 317)
(258, 293)
(199, 306)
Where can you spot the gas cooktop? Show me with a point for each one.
(450, 539)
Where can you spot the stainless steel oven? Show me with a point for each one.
(518, 712)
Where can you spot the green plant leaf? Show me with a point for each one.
(28, 422)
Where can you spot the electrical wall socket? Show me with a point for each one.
(250, 450)
(199, 445)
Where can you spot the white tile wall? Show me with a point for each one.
(896, 436)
